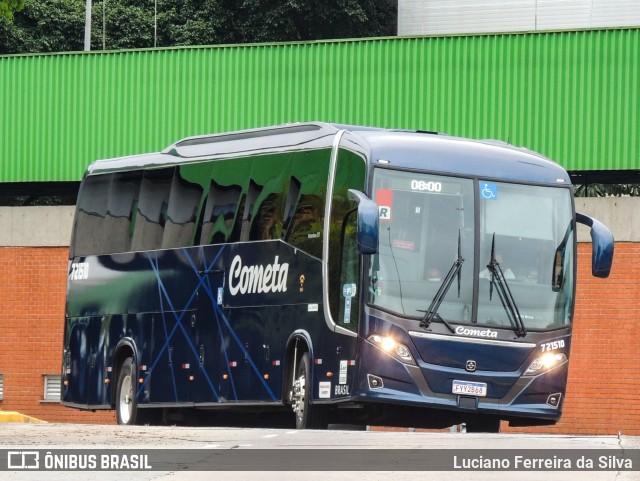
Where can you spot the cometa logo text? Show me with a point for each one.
(257, 279)
(463, 331)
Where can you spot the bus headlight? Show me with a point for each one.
(545, 362)
(393, 348)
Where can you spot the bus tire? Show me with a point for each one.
(308, 416)
(126, 399)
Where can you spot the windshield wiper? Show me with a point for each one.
(432, 312)
(506, 298)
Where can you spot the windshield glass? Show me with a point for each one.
(531, 231)
(425, 220)
(426, 246)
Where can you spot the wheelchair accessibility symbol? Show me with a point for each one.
(488, 191)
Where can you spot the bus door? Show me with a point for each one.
(344, 273)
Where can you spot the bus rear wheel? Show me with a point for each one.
(308, 416)
(126, 400)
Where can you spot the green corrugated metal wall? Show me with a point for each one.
(573, 96)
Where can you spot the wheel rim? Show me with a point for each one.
(126, 398)
(299, 389)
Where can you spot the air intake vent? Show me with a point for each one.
(52, 387)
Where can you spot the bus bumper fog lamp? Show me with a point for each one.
(545, 362)
(554, 399)
(375, 382)
(393, 348)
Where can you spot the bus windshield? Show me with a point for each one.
(426, 266)
(529, 230)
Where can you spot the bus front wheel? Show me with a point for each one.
(126, 400)
(308, 416)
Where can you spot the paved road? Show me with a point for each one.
(83, 437)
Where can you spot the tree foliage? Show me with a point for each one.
(7, 7)
(44, 26)
(121, 24)
(58, 25)
(269, 20)
(607, 190)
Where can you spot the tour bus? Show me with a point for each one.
(344, 274)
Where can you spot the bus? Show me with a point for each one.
(343, 274)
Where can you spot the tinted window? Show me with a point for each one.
(305, 229)
(273, 173)
(229, 201)
(182, 213)
(151, 215)
(123, 200)
(253, 192)
(219, 213)
(88, 236)
(293, 194)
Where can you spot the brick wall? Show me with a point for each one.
(32, 296)
(603, 391)
(604, 381)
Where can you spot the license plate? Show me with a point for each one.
(468, 387)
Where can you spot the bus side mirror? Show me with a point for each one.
(367, 222)
(602, 239)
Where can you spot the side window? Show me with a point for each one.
(305, 231)
(151, 215)
(293, 194)
(219, 213)
(236, 230)
(123, 201)
(182, 213)
(226, 186)
(267, 223)
(344, 261)
(248, 212)
(273, 173)
(310, 174)
(88, 234)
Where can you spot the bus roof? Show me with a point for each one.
(458, 156)
(403, 149)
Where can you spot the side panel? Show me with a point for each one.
(210, 323)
